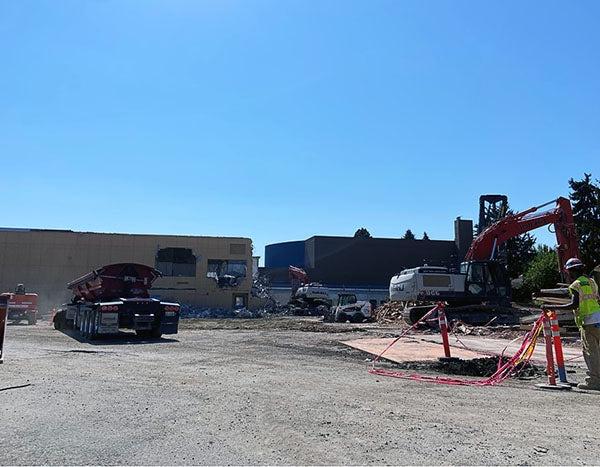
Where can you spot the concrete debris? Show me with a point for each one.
(187, 312)
(501, 331)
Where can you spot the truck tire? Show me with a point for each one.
(32, 319)
(93, 325)
(59, 320)
(84, 324)
(155, 333)
(143, 333)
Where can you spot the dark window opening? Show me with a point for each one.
(176, 262)
(227, 273)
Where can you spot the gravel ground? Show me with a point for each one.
(265, 392)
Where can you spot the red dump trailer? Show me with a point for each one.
(116, 297)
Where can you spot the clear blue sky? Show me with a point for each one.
(283, 119)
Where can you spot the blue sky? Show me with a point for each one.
(283, 119)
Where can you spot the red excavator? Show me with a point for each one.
(481, 290)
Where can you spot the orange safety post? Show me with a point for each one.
(443, 322)
(560, 360)
(550, 358)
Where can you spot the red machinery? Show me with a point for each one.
(115, 280)
(486, 244)
(21, 305)
(482, 288)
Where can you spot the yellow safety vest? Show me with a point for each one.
(588, 298)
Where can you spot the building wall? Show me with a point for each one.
(352, 262)
(284, 254)
(45, 260)
(373, 261)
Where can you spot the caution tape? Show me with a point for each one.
(511, 367)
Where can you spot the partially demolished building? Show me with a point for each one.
(212, 272)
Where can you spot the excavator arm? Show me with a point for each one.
(485, 245)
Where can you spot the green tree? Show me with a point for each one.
(409, 235)
(585, 197)
(362, 233)
(425, 236)
(542, 272)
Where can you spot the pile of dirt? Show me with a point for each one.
(481, 367)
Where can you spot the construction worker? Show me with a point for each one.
(586, 307)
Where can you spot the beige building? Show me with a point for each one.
(211, 272)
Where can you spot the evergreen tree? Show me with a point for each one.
(425, 236)
(362, 233)
(585, 197)
(409, 235)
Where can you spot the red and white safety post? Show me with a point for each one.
(551, 336)
(443, 322)
(444, 329)
(3, 320)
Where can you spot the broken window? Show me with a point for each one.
(227, 273)
(176, 262)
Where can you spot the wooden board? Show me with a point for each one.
(408, 349)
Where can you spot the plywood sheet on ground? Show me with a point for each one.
(408, 349)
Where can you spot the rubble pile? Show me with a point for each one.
(389, 312)
(502, 332)
(188, 311)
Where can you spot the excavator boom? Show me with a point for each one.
(486, 244)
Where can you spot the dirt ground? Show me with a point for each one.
(279, 391)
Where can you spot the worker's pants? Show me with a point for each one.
(590, 341)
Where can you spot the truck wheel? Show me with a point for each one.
(93, 326)
(143, 333)
(341, 318)
(32, 319)
(84, 325)
(155, 333)
(357, 318)
(59, 321)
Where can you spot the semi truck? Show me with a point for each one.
(115, 297)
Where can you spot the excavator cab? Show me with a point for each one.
(487, 281)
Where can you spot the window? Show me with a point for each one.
(237, 248)
(240, 300)
(176, 262)
(227, 273)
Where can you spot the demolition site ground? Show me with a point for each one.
(266, 391)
